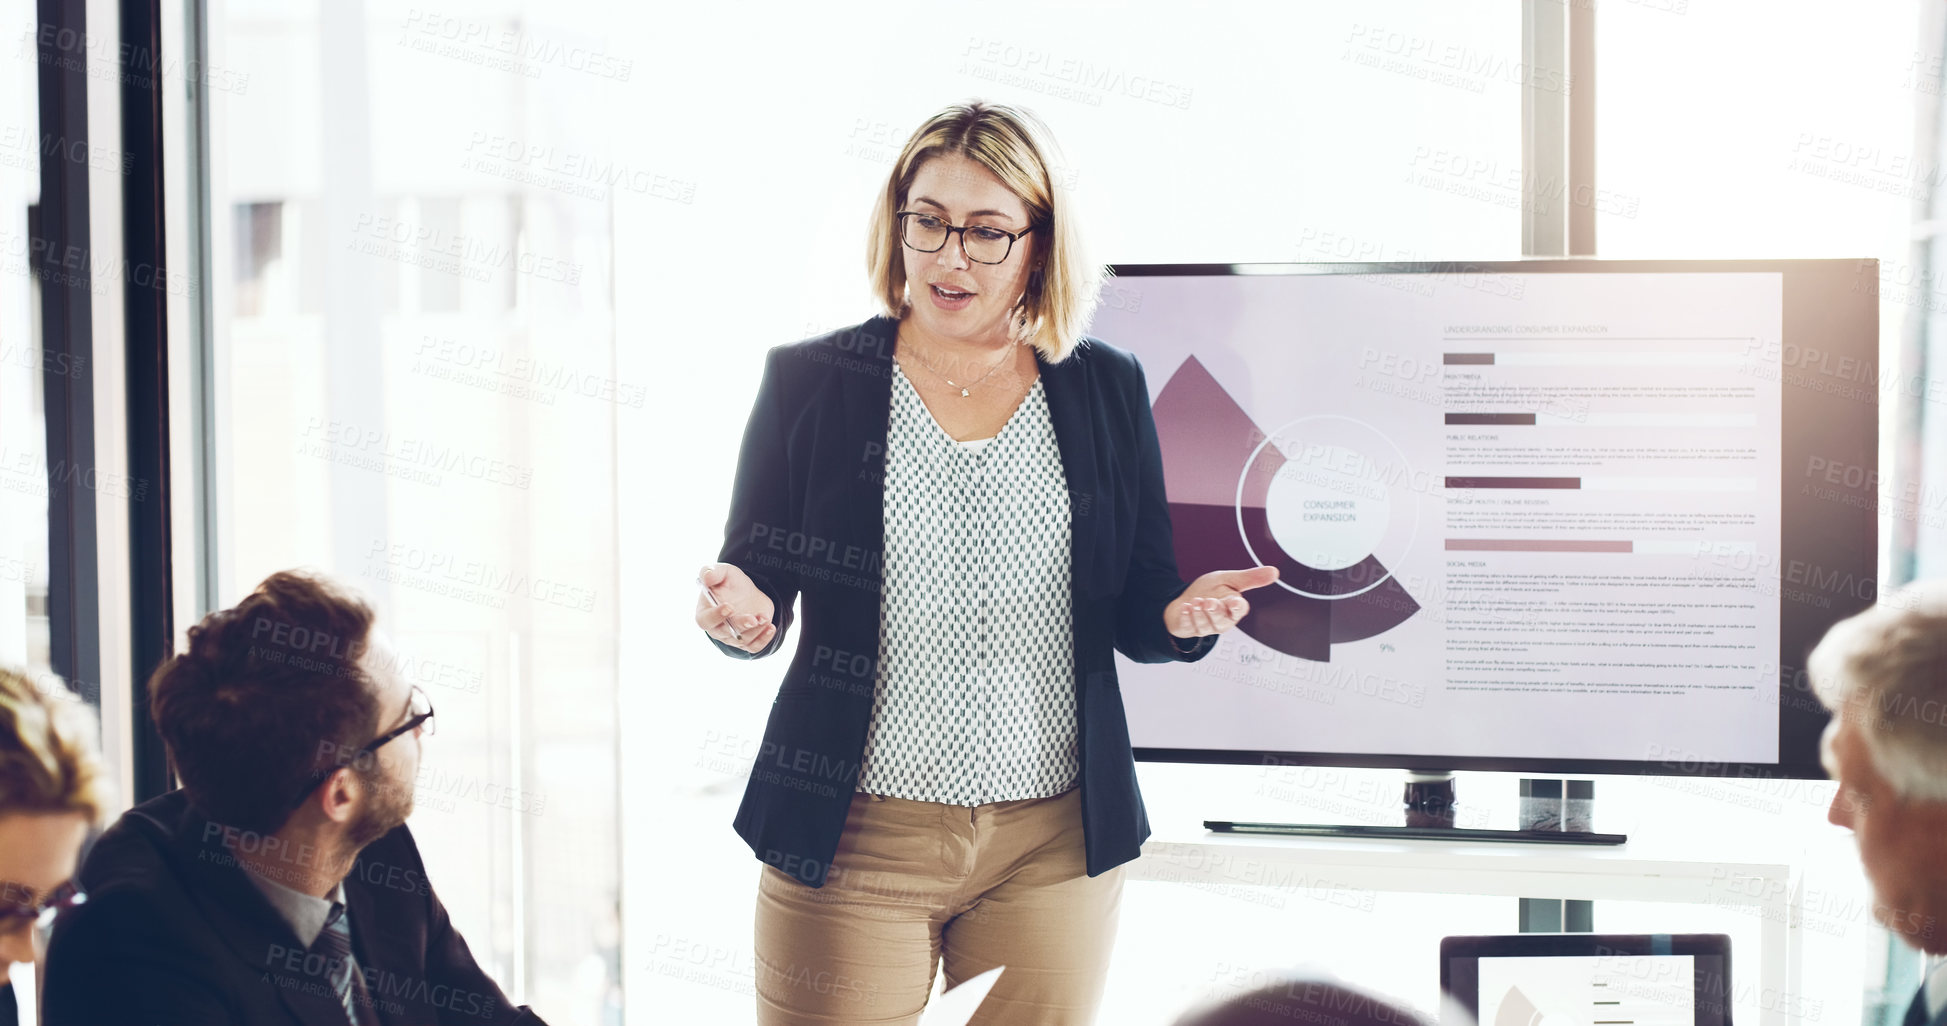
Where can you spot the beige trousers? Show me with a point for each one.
(918, 883)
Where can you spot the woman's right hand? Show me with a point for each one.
(743, 606)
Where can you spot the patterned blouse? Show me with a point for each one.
(975, 697)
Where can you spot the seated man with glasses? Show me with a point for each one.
(279, 884)
(51, 796)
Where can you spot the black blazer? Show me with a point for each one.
(173, 934)
(808, 515)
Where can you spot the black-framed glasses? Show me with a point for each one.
(983, 244)
(16, 914)
(419, 713)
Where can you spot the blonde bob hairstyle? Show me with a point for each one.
(47, 755)
(1018, 149)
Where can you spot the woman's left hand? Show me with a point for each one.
(1213, 603)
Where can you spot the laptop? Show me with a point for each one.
(1590, 979)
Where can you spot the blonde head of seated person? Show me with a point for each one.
(1883, 676)
(51, 794)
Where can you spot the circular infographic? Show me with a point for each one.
(1327, 499)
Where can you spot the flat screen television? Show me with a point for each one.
(1550, 516)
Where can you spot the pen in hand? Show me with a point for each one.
(712, 596)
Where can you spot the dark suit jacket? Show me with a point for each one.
(808, 515)
(1916, 1011)
(174, 934)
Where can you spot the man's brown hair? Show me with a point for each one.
(268, 694)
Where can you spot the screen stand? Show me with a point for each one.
(1430, 807)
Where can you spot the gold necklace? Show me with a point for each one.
(966, 389)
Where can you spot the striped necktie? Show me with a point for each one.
(335, 943)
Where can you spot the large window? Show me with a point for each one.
(23, 431)
(414, 349)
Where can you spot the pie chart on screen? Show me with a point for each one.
(1329, 500)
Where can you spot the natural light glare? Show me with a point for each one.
(490, 288)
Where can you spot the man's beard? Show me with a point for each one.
(390, 805)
